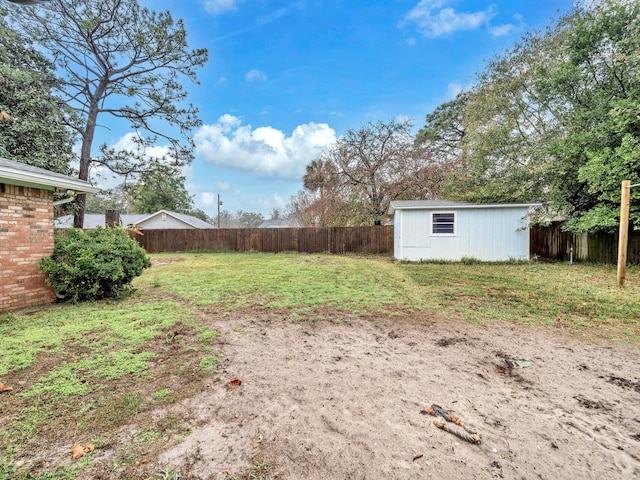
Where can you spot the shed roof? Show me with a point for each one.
(17, 173)
(448, 205)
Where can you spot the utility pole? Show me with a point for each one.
(623, 239)
(219, 204)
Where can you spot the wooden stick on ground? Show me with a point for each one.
(475, 438)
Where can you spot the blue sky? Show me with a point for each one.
(285, 79)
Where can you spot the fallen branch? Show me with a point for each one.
(437, 411)
(475, 438)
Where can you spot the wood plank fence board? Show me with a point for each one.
(547, 242)
(599, 247)
(375, 240)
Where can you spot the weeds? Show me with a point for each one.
(168, 475)
(208, 363)
(89, 370)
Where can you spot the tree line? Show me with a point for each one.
(555, 119)
(70, 66)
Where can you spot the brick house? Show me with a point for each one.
(26, 230)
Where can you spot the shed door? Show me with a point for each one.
(416, 224)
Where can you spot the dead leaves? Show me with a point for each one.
(79, 451)
(234, 383)
(5, 388)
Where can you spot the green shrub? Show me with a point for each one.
(96, 264)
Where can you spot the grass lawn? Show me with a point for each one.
(81, 373)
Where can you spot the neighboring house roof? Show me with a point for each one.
(448, 204)
(93, 220)
(195, 222)
(17, 173)
(277, 223)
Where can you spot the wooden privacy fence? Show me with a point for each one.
(374, 240)
(552, 242)
(547, 242)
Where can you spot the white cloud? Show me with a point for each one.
(274, 201)
(264, 151)
(128, 143)
(207, 199)
(453, 89)
(507, 28)
(218, 7)
(265, 203)
(280, 202)
(105, 178)
(255, 75)
(275, 15)
(502, 30)
(434, 19)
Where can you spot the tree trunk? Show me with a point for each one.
(85, 152)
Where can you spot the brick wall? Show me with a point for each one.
(26, 235)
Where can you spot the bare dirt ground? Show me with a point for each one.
(343, 400)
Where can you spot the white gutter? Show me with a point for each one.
(393, 208)
(64, 200)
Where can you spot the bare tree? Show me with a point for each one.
(376, 164)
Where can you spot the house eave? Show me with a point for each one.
(159, 212)
(44, 182)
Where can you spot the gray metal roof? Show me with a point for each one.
(277, 223)
(93, 220)
(448, 204)
(18, 173)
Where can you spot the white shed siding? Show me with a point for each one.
(489, 234)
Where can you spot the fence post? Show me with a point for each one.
(624, 230)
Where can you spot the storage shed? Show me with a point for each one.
(446, 230)
(26, 230)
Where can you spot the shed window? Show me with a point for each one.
(443, 223)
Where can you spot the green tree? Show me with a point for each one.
(554, 119)
(249, 219)
(445, 128)
(114, 199)
(201, 214)
(507, 128)
(276, 214)
(320, 201)
(594, 92)
(160, 189)
(128, 62)
(321, 177)
(32, 130)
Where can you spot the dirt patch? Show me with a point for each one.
(290, 399)
(331, 400)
